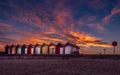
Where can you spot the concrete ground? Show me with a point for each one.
(72, 66)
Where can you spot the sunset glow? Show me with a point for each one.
(82, 22)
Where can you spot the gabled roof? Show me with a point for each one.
(37, 44)
(51, 44)
(30, 45)
(44, 44)
(18, 46)
(12, 46)
(76, 46)
(24, 45)
(68, 44)
(7, 46)
(60, 44)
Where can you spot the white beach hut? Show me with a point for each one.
(18, 49)
(68, 48)
(37, 49)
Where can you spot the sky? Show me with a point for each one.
(90, 24)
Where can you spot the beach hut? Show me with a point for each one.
(44, 49)
(7, 49)
(24, 49)
(68, 48)
(13, 49)
(52, 48)
(59, 48)
(37, 49)
(75, 49)
(30, 49)
(18, 49)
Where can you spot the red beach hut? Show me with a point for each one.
(59, 48)
(30, 49)
(7, 49)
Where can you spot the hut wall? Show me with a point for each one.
(68, 49)
(58, 50)
(37, 50)
(32, 50)
(52, 50)
(23, 50)
(45, 49)
(18, 50)
(13, 51)
(8, 50)
(26, 50)
(74, 49)
(61, 50)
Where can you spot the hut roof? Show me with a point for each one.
(68, 44)
(60, 44)
(44, 44)
(51, 44)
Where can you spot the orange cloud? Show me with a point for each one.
(88, 40)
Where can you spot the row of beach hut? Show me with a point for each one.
(68, 48)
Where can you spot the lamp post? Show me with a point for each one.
(104, 51)
(114, 43)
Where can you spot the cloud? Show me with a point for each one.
(114, 11)
(97, 4)
(98, 26)
(33, 23)
(88, 40)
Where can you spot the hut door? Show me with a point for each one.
(19, 50)
(25, 50)
(37, 50)
(61, 50)
(54, 51)
(32, 51)
(13, 51)
(51, 51)
(8, 51)
(68, 50)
